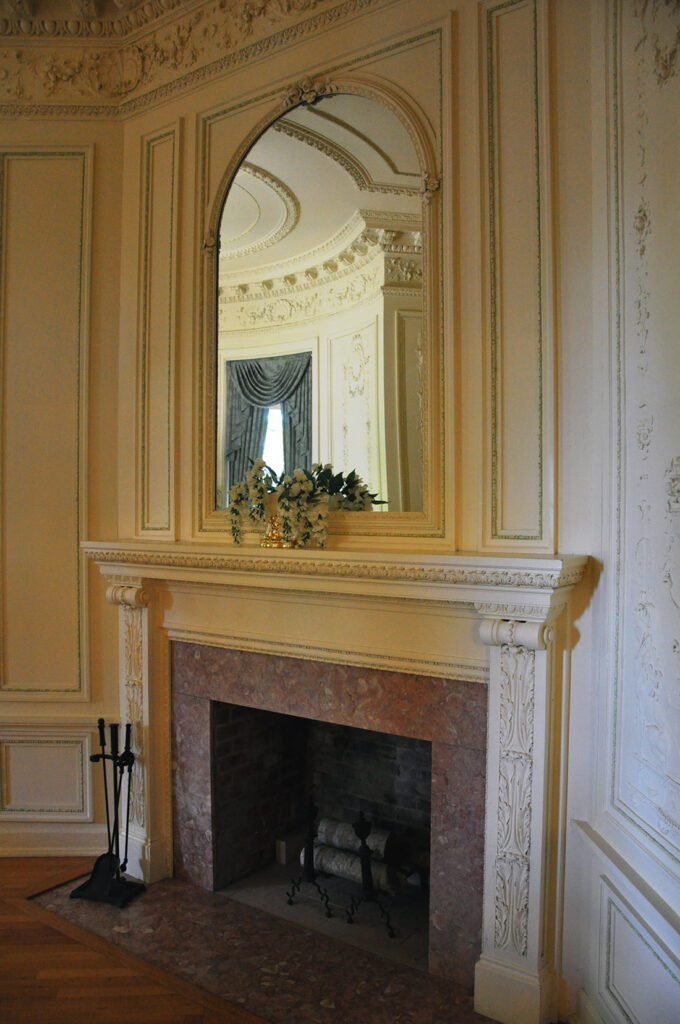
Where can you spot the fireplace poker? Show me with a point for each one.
(106, 884)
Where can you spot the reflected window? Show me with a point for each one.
(272, 452)
(254, 389)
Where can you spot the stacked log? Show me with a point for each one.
(336, 853)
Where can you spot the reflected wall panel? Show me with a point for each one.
(44, 252)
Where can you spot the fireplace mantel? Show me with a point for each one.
(500, 621)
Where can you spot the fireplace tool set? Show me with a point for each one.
(362, 830)
(106, 884)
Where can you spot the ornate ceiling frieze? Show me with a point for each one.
(95, 65)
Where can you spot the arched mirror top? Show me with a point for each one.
(317, 246)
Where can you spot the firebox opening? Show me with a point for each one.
(268, 767)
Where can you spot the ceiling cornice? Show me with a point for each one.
(111, 68)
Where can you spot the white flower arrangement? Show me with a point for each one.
(301, 501)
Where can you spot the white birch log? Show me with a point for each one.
(345, 864)
(342, 836)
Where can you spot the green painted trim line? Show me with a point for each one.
(496, 533)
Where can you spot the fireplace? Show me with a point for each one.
(449, 715)
(429, 646)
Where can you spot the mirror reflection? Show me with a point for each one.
(320, 302)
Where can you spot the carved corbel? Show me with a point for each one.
(127, 595)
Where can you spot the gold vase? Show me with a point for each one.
(272, 536)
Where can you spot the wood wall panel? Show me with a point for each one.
(158, 284)
(45, 774)
(44, 252)
(518, 322)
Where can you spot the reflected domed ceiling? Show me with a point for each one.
(297, 195)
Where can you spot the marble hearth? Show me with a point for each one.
(451, 714)
(470, 652)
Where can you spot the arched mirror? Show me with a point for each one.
(320, 311)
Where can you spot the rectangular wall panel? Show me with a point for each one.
(45, 775)
(45, 197)
(517, 322)
(639, 977)
(157, 330)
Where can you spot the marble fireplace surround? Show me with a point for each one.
(451, 714)
(495, 624)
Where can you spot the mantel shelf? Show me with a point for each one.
(528, 584)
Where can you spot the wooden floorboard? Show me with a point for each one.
(52, 972)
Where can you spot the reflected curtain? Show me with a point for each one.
(253, 386)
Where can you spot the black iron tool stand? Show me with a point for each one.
(106, 883)
(362, 828)
(308, 875)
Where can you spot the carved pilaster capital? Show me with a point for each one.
(534, 636)
(128, 595)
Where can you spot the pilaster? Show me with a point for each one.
(513, 977)
(147, 858)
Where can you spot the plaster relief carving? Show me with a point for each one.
(157, 52)
(645, 778)
(673, 485)
(514, 798)
(134, 696)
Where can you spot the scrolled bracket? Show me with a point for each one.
(534, 636)
(127, 596)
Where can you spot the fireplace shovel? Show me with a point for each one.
(106, 883)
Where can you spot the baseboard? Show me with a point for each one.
(51, 839)
(587, 1011)
(512, 995)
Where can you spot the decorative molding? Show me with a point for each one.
(127, 57)
(531, 524)
(70, 742)
(309, 91)
(566, 574)
(643, 787)
(513, 850)
(444, 668)
(158, 290)
(344, 275)
(127, 595)
(76, 357)
(133, 646)
(629, 950)
(534, 636)
(291, 214)
(349, 163)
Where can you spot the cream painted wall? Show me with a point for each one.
(604, 113)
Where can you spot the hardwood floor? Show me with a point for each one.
(52, 971)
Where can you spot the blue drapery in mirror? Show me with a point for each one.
(253, 387)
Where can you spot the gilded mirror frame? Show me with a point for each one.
(346, 530)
